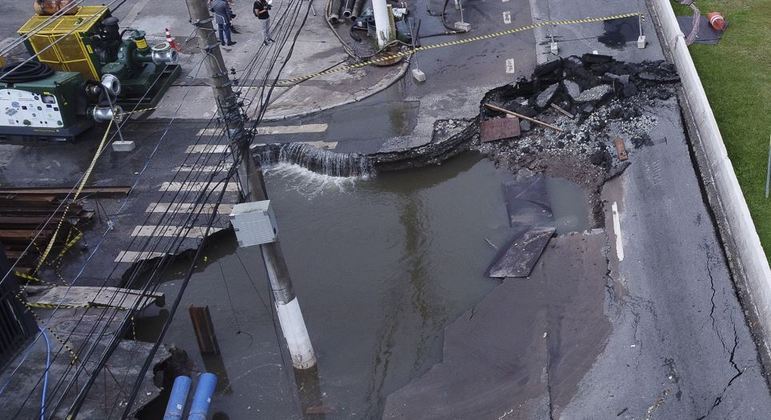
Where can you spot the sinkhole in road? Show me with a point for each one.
(380, 267)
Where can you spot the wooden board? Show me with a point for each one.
(499, 129)
(80, 296)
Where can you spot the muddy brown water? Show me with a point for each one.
(380, 267)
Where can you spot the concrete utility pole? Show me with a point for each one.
(382, 22)
(250, 175)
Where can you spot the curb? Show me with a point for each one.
(745, 252)
(358, 96)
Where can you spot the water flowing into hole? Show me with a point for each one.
(321, 161)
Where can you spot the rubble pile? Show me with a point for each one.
(607, 99)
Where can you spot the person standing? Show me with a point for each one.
(260, 9)
(222, 15)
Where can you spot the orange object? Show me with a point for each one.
(716, 21)
(171, 41)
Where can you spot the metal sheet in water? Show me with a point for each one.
(527, 202)
(523, 251)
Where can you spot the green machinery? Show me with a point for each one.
(86, 70)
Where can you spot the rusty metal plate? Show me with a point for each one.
(499, 128)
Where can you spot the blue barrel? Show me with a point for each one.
(177, 399)
(202, 397)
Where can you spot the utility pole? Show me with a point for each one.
(382, 22)
(252, 184)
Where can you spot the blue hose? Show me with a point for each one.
(177, 398)
(199, 408)
(45, 376)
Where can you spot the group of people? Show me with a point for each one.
(223, 16)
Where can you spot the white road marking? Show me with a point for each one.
(187, 208)
(327, 145)
(195, 232)
(510, 68)
(507, 17)
(208, 148)
(203, 168)
(134, 256)
(617, 229)
(276, 129)
(505, 1)
(293, 129)
(197, 186)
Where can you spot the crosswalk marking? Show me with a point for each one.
(186, 208)
(195, 232)
(208, 148)
(327, 145)
(273, 130)
(202, 168)
(134, 256)
(197, 186)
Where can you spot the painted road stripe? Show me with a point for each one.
(203, 168)
(208, 148)
(195, 232)
(186, 208)
(507, 17)
(617, 228)
(271, 130)
(134, 256)
(510, 68)
(197, 186)
(327, 145)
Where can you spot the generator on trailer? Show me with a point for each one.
(85, 70)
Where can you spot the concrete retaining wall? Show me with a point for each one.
(748, 254)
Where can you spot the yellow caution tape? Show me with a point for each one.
(57, 305)
(83, 182)
(463, 41)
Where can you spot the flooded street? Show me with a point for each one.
(380, 267)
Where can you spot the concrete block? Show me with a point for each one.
(418, 75)
(462, 26)
(123, 146)
(554, 48)
(641, 41)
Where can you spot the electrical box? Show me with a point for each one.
(254, 223)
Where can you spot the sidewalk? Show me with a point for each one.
(317, 49)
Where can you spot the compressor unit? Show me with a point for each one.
(86, 70)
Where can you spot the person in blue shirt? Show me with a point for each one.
(222, 16)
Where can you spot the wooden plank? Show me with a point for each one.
(62, 192)
(498, 129)
(620, 149)
(114, 297)
(204, 330)
(524, 117)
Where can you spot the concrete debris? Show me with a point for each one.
(582, 153)
(524, 125)
(595, 94)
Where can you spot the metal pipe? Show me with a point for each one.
(347, 6)
(199, 408)
(358, 6)
(177, 399)
(334, 14)
(382, 22)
